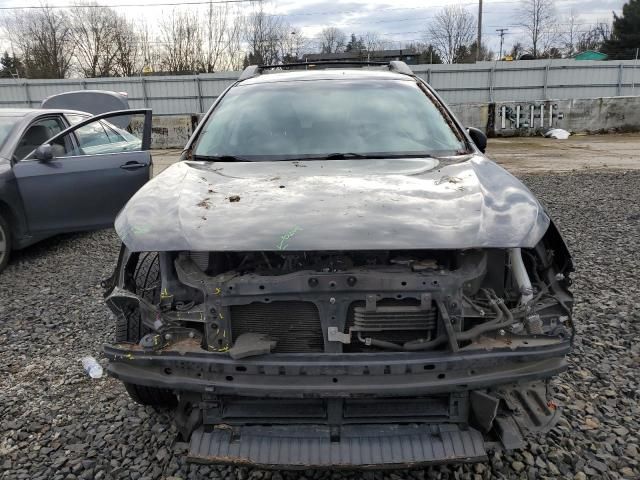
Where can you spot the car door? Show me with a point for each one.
(91, 175)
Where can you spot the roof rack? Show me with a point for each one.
(396, 66)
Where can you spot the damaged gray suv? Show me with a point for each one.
(336, 276)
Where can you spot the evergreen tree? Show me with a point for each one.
(516, 51)
(11, 66)
(468, 54)
(426, 53)
(355, 45)
(625, 35)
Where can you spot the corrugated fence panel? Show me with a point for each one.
(173, 94)
(136, 103)
(12, 94)
(514, 79)
(168, 106)
(41, 89)
(522, 94)
(132, 86)
(631, 75)
(212, 87)
(460, 80)
(464, 96)
(580, 76)
(461, 83)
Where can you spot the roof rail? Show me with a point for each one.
(250, 71)
(396, 66)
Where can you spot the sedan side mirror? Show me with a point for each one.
(478, 137)
(44, 153)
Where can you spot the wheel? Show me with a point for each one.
(129, 328)
(5, 242)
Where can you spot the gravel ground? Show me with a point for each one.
(57, 423)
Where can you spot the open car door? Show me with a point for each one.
(81, 178)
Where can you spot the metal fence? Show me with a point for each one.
(458, 84)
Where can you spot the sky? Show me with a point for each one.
(396, 21)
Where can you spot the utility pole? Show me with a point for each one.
(502, 33)
(479, 41)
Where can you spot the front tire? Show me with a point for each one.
(129, 328)
(5, 242)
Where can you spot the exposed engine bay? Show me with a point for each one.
(464, 337)
(357, 301)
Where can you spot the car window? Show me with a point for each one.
(40, 132)
(117, 134)
(112, 133)
(92, 134)
(75, 118)
(102, 137)
(301, 119)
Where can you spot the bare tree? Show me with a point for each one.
(451, 31)
(182, 43)
(571, 34)
(332, 40)
(44, 40)
(595, 37)
(264, 35)
(222, 30)
(373, 42)
(148, 47)
(294, 44)
(538, 18)
(235, 50)
(129, 60)
(94, 31)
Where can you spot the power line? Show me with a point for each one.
(218, 2)
(376, 10)
(153, 4)
(494, 34)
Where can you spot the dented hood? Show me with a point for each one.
(332, 205)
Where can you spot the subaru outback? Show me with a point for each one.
(335, 275)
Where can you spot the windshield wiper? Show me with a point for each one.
(220, 158)
(350, 155)
(344, 156)
(329, 156)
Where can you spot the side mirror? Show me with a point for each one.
(44, 153)
(478, 137)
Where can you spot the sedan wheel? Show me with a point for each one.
(5, 243)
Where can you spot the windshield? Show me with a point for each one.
(306, 119)
(6, 126)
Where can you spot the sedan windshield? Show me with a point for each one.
(326, 118)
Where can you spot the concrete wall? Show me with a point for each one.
(502, 119)
(168, 131)
(591, 115)
(472, 115)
